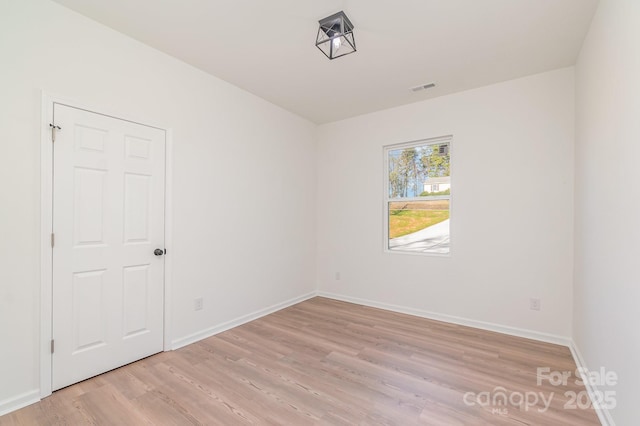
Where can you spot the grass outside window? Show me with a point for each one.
(409, 217)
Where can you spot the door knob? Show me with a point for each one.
(158, 252)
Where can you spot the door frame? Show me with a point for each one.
(46, 228)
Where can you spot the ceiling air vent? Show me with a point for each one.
(423, 87)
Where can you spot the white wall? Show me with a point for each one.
(244, 176)
(509, 242)
(607, 201)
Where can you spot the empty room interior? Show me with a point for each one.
(338, 212)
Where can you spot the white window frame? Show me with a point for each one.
(386, 199)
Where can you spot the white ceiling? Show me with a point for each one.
(267, 46)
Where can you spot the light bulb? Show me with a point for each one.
(336, 43)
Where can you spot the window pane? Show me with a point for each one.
(419, 226)
(421, 170)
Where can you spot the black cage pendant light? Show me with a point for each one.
(335, 36)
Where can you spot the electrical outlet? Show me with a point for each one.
(197, 304)
(337, 276)
(534, 304)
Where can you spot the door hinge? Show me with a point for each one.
(53, 239)
(53, 131)
(52, 345)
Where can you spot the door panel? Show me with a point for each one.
(108, 217)
(136, 294)
(136, 208)
(89, 194)
(88, 310)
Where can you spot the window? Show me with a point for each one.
(418, 196)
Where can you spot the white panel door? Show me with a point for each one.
(108, 219)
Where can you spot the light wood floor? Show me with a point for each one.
(325, 362)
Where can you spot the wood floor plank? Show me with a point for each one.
(327, 362)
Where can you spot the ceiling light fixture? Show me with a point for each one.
(335, 36)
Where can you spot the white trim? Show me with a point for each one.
(19, 401)
(498, 328)
(46, 227)
(604, 415)
(420, 198)
(195, 337)
(168, 237)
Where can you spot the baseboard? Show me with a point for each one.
(195, 337)
(19, 401)
(603, 413)
(513, 331)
